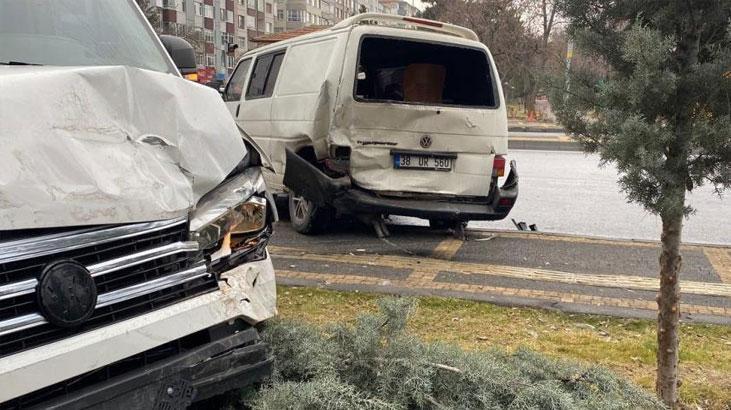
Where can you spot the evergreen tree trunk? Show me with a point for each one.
(668, 303)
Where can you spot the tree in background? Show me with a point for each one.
(541, 19)
(662, 114)
(521, 35)
(154, 16)
(498, 24)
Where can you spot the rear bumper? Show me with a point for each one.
(308, 181)
(233, 361)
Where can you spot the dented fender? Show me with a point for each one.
(249, 291)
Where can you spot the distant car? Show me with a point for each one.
(379, 115)
(215, 84)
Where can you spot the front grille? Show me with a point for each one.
(136, 268)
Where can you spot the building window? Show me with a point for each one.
(208, 10)
(251, 22)
(280, 14)
(242, 22)
(269, 27)
(208, 36)
(260, 5)
(229, 16)
(169, 4)
(199, 59)
(210, 60)
(269, 8)
(251, 4)
(198, 8)
(294, 15)
(226, 39)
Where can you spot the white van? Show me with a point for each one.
(379, 115)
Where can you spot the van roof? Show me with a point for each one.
(378, 19)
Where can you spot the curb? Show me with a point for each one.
(527, 144)
(528, 128)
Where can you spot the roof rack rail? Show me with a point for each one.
(447, 28)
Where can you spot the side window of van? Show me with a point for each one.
(264, 75)
(235, 86)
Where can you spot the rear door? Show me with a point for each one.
(425, 116)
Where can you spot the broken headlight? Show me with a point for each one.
(233, 219)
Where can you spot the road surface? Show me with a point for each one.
(567, 192)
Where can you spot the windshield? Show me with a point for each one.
(77, 33)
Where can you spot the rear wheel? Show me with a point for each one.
(306, 217)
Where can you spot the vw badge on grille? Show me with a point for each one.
(66, 293)
(425, 141)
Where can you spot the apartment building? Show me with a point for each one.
(218, 29)
(295, 14)
(399, 7)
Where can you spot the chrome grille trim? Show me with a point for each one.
(28, 286)
(34, 319)
(19, 323)
(113, 265)
(145, 288)
(21, 288)
(47, 245)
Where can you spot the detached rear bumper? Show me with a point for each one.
(308, 181)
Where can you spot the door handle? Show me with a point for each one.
(237, 110)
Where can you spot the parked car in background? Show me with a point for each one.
(134, 218)
(379, 115)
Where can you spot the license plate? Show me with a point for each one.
(428, 162)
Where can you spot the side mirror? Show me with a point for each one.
(182, 53)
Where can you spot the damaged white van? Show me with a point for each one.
(134, 218)
(379, 115)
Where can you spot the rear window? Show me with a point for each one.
(398, 70)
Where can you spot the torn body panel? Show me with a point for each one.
(112, 145)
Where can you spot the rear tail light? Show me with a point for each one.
(498, 166)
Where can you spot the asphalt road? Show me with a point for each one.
(567, 192)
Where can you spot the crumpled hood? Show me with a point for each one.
(107, 145)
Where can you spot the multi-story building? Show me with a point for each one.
(295, 14)
(218, 29)
(400, 7)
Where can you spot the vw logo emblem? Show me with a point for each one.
(66, 293)
(425, 141)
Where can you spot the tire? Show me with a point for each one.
(308, 218)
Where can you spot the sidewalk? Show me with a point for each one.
(567, 273)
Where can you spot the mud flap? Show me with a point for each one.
(305, 179)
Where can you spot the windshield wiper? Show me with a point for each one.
(16, 63)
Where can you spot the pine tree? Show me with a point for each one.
(661, 114)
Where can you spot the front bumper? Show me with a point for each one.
(234, 361)
(246, 292)
(308, 181)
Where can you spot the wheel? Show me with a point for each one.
(306, 217)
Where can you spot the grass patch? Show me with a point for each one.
(626, 346)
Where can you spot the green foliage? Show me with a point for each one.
(662, 113)
(376, 364)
